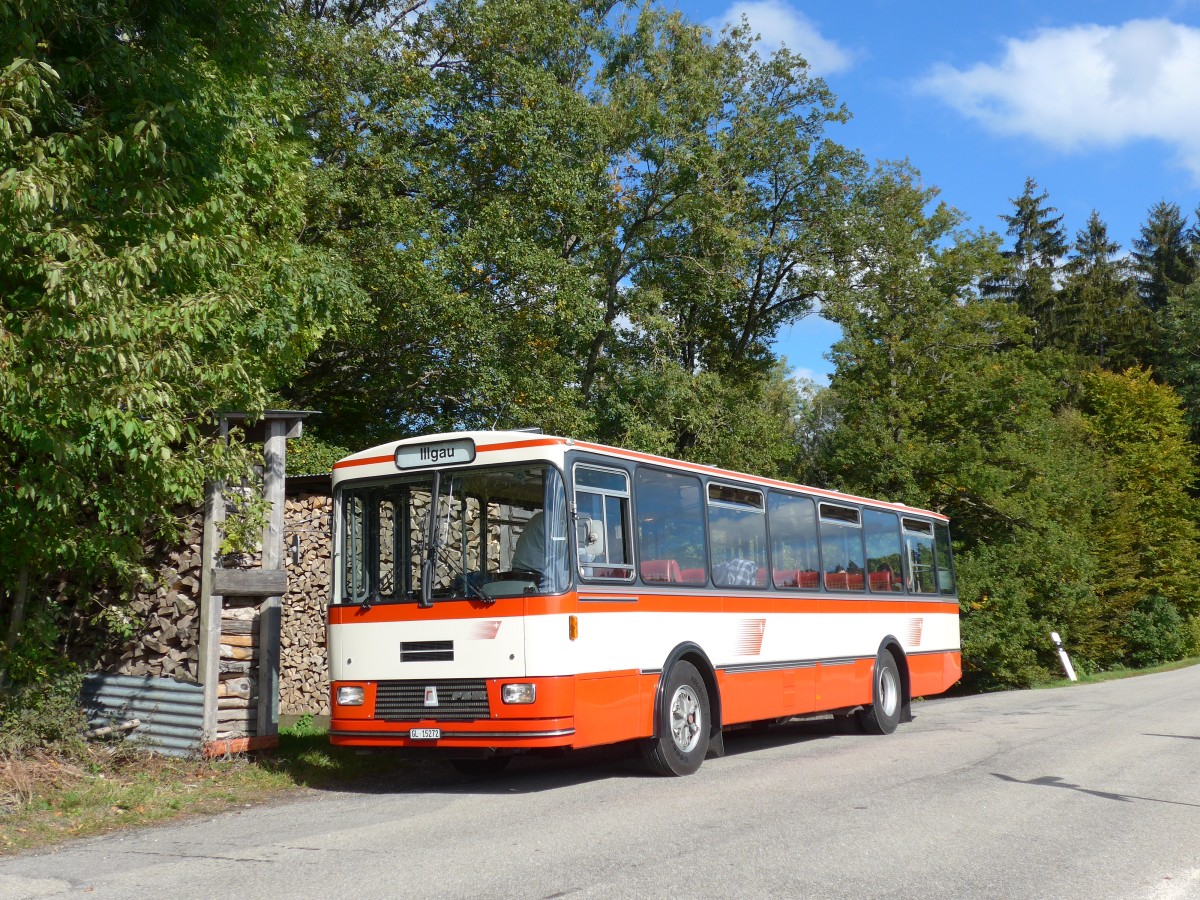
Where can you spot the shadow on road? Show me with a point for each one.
(1054, 781)
(1182, 737)
(541, 772)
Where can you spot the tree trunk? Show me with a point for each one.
(18, 618)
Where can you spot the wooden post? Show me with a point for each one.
(271, 610)
(210, 607)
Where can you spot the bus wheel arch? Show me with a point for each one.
(682, 662)
(891, 691)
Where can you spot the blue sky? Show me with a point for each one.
(1098, 101)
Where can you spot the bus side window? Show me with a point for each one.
(795, 561)
(737, 534)
(842, 548)
(918, 548)
(670, 527)
(602, 522)
(885, 571)
(945, 559)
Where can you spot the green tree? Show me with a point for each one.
(1102, 318)
(457, 166)
(941, 403)
(547, 202)
(151, 197)
(1029, 281)
(1139, 428)
(1162, 256)
(1181, 365)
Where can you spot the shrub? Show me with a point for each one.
(1191, 636)
(1153, 633)
(44, 715)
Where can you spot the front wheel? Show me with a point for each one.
(887, 697)
(683, 724)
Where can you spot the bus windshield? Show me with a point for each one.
(493, 532)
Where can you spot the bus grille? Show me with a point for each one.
(427, 651)
(460, 699)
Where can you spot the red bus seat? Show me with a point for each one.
(661, 570)
(880, 581)
(844, 581)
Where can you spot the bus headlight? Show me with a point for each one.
(350, 696)
(518, 693)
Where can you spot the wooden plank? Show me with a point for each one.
(210, 605)
(249, 582)
(270, 611)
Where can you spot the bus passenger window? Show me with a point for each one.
(918, 548)
(885, 573)
(842, 548)
(945, 559)
(737, 533)
(795, 560)
(670, 527)
(602, 523)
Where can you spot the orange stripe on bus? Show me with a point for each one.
(369, 461)
(481, 448)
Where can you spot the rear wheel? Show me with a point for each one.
(482, 768)
(887, 697)
(683, 724)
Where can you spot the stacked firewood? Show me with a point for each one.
(237, 691)
(165, 627)
(165, 617)
(304, 670)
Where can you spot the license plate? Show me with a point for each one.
(424, 734)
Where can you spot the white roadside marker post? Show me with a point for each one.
(1062, 655)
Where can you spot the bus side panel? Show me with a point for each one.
(751, 696)
(613, 706)
(933, 673)
(845, 683)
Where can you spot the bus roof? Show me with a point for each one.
(516, 446)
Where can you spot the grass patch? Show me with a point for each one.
(49, 796)
(1116, 674)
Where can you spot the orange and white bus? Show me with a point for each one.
(497, 593)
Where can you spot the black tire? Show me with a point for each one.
(683, 724)
(486, 767)
(887, 697)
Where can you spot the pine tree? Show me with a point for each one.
(1039, 242)
(1100, 315)
(1181, 353)
(1162, 256)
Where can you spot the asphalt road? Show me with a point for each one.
(1091, 791)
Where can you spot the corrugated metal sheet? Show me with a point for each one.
(171, 712)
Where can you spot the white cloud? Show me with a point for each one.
(780, 25)
(802, 375)
(1088, 86)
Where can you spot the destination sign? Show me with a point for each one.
(443, 453)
